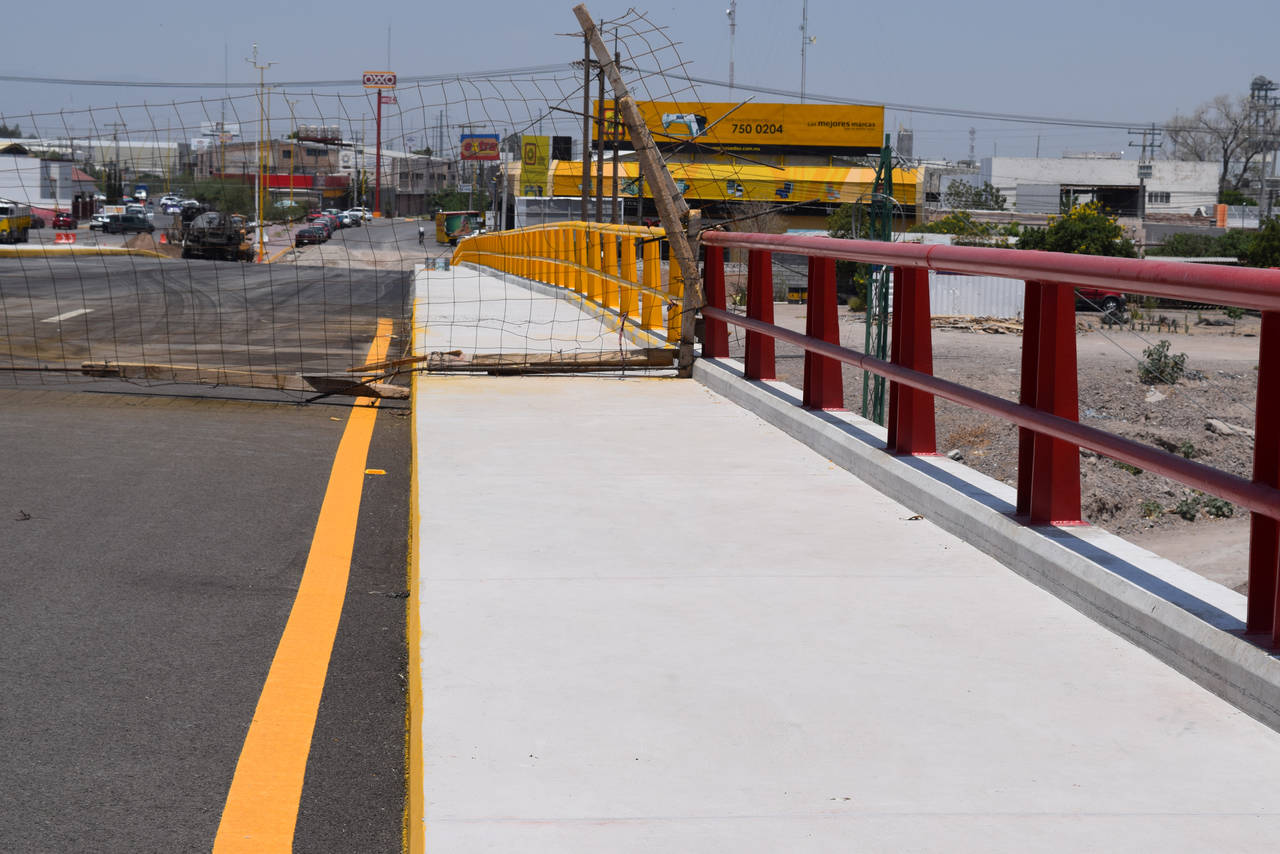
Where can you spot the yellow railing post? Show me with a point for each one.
(564, 242)
(627, 303)
(651, 303)
(547, 240)
(675, 292)
(609, 263)
(581, 281)
(595, 290)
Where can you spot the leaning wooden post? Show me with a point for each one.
(672, 208)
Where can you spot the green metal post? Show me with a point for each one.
(877, 331)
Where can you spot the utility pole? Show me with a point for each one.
(1264, 105)
(732, 12)
(293, 146)
(1150, 142)
(586, 122)
(262, 68)
(615, 216)
(600, 149)
(805, 41)
(116, 127)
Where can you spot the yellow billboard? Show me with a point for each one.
(535, 156)
(719, 182)
(797, 128)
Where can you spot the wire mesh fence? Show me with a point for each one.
(183, 239)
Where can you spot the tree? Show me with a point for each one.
(959, 223)
(1084, 230)
(1234, 244)
(424, 152)
(966, 196)
(10, 131)
(1224, 131)
(1264, 249)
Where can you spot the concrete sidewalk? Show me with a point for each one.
(648, 621)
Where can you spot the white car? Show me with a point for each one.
(363, 213)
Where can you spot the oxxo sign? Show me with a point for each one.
(379, 80)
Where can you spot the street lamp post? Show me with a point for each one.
(261, 121)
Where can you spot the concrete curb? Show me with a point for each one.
(1192, 624)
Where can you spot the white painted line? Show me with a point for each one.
(67, 316)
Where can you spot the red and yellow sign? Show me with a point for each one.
(797, 128)
(480, 146)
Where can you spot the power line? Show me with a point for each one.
(315, 84)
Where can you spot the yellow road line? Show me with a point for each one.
(262, 805)
(274, 257)
(415, 792)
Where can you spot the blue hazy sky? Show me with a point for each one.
(1119, 62)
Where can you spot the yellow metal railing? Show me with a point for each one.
(615, 268)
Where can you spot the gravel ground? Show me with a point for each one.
(1210, 537)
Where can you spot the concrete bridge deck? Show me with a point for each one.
(649, 621)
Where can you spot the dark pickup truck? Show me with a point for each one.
(125, 223)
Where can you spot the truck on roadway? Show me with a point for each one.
(15, 222)
(213, 234)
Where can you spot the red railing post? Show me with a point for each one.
(759, 362)
(1027, 391)
(1055, 464)
(911, 412)
(823, 381)
(715, 333)
(1264, 531)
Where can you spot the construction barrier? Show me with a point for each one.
(64, 237)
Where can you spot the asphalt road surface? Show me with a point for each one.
(151, 547)
(261, 319)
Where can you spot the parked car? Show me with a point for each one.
(364, 213)
(37, 221)
(308, 235)
(1096, 299)
(64, 220)
(125, 223)
(98, 221)
(350, 220)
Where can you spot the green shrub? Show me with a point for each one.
(1219, 508)
(1152, 509)
(1131, 469)
(1188, 450)
(1159, 367)
(1188, 508)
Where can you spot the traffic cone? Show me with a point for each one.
(163, 238)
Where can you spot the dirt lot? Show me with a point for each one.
(1210, 537)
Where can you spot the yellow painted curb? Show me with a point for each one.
(415, 791)
(43, 252)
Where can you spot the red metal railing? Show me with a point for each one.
(1050, 434)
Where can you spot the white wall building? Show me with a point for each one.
(1042, 184)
